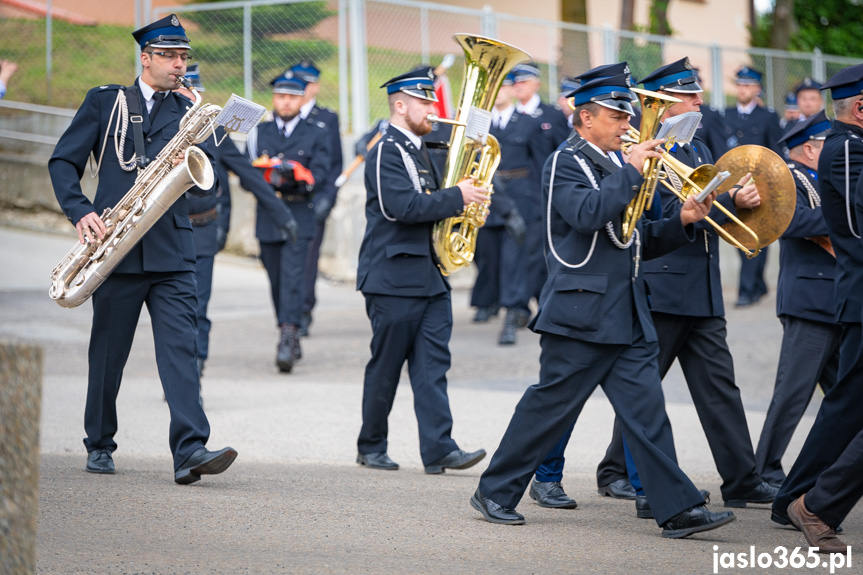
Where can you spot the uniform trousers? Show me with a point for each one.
(416, 329)
(699, 344)
(285, 263)
(486, 288)
(310, 276)
(171, 302)
(204, 280)
(522, 267)
(752, 275)
(570, 370)
(809, 356)
(829, 469)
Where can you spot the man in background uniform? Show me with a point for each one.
(300, 149)
(325, 195)
(210, 216)
(804, 303)
(748, 123)
(530, 275)
(500, 242)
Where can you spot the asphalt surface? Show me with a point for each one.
(295, 501)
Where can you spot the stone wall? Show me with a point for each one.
(20, 404)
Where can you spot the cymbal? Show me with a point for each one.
(775, 186)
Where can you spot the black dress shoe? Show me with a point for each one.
(696, 520)
(284, 355)
(643, 510)
(620, 489)
(494, 512)
(204, 462)
(551, 494)
(305, 322)
(763, 493)
(456, 459)
(482, 315)
(377, 461)
(100, 461)
(744, 301)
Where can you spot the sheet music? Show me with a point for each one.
(240, 115)
(680, 129)
(478, 123)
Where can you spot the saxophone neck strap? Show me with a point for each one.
(136, 118)
(600, 160)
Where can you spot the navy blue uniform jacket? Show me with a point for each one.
(396, 256)
(168, 246)
(309, 144)
(330, 120)
(599, 301)
(687, 281)
(522, 147)
(806, 270)
(761, 128)
(849, 252)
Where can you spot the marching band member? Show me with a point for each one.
(407, 299)
(804, 303)
(687, 309)
(826, 480)
(594, 320)
(158, 271)
(295, 153)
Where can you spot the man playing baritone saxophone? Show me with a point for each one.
(158, 271)
(407, 298)
(594, 320)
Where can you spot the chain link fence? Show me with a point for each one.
(359, 44)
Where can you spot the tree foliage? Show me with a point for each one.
(833, 26)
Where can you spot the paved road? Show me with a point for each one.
(295, 501)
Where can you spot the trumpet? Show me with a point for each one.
(757, 227)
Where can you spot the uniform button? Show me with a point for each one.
(739, 133)
(711, 257)
(300, 153)
(665, 267)
(149, 140)
(580, 291)
(820, 273)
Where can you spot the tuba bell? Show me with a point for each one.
(472, 153)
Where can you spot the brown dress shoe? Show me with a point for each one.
(817, 533)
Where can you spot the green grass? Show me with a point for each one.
(88, 56)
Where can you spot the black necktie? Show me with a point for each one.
(158, 98)
(425, 154)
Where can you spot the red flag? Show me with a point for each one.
(444, 97)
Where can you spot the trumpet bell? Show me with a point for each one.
(775, 186)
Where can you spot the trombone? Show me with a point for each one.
(760, 162)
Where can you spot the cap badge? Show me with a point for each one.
(174, 20)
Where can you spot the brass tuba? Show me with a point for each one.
(653, 106)
(158, 186)
(486, 63)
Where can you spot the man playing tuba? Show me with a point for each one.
(407, 298)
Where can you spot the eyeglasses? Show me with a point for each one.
(184, 57)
